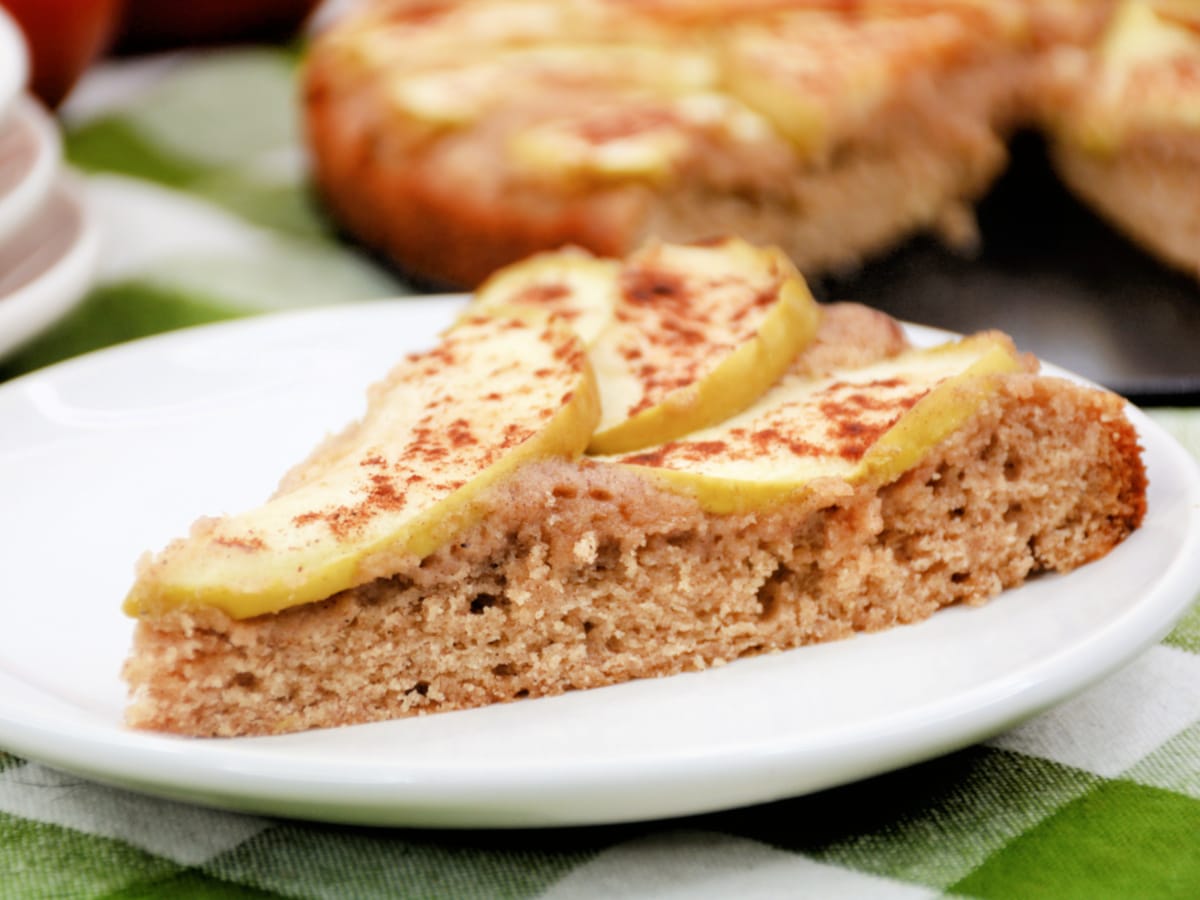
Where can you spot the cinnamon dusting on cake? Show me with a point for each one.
(763, 440)
(851, 433)
(623, 124)
(545, 292)
(653, 286)
(250, 543)
(382, 495)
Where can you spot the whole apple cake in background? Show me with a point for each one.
(608, 470)
(459, 136)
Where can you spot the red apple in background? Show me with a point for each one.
(161, 24)
(64, 37)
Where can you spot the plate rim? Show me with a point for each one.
(152, 763)
(22, 202)
(40, 302)
(14, 62)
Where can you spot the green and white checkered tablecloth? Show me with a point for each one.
(195, 171)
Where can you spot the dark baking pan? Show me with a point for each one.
(1059, 280)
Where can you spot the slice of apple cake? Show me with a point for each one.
(460, 545)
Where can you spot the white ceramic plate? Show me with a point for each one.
(113, 453)
(30, 150)
(14, 62)
(47, 265)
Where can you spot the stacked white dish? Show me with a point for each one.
(48, 243)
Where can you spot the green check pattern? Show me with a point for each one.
(193, 164)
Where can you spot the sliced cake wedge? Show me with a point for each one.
(870, 487)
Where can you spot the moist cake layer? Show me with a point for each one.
(584, 574)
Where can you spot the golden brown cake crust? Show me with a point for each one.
(585, 574)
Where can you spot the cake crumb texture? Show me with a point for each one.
(586, 574)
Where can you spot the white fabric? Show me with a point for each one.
(1108, 728)
(188, 835)
(697, 865)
